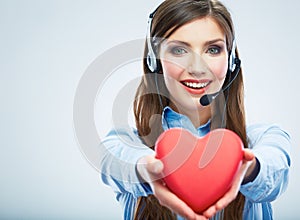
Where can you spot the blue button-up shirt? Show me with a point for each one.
(122, 148)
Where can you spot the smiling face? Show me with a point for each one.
(194, 61)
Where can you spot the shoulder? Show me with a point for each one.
(257, 132)
(263, 128)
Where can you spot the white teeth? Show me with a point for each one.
(195, 85)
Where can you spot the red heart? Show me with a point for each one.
(199, 170)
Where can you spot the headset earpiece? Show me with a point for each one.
(152, 62)
(232, 59)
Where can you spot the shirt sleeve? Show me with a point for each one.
(271, 146)
(120, 151)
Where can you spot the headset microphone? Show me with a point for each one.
(207, 99)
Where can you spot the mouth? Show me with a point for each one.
(196, 87)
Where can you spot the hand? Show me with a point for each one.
(150, 169)
(246, 168)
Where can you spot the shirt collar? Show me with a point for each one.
(172, 119)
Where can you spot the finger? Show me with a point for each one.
(248, 155)
(149, 168)
(210, 212)
(152, 164)
(171, 201)
(155, 166)
(222, 203)
(201, 217)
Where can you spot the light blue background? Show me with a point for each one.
(45, 47)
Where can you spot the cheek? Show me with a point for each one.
(219, 68)
(171, 70)
(171, 73)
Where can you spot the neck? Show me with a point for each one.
(197, 116)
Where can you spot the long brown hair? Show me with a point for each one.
(148, 104)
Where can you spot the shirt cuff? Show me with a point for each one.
(254, 173)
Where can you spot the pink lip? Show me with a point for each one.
(195, 91)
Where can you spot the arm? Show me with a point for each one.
(120, 151)
(271, 146)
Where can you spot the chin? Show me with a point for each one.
(189, 105)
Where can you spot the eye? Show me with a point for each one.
(178, 51)
(214, 50)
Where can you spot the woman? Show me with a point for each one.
(190, 52)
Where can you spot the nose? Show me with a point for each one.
(197, 65)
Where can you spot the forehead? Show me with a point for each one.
(201, 29)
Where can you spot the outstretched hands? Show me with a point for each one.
(150, 169)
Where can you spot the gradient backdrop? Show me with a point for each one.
(46, 46)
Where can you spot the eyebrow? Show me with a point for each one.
(205, 44)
